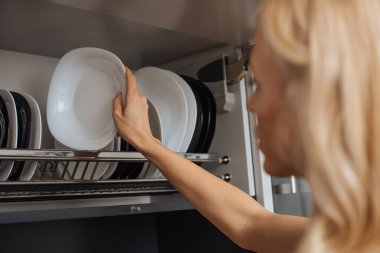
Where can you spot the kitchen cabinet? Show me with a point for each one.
(183, 36)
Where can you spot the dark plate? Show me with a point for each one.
(121, 166)
(204, 138)
(212, 120)
(134, 169)
(23, 126)
(128, 170)
(4, 124)
(200, 99)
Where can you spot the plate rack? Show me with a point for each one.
(48, 183)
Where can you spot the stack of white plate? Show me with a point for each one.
(79, 109)
(176, 104)
(20, 127)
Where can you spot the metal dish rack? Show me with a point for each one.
(47, 183)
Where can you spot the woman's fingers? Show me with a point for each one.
(130, 81)
(131, 115)
(118, 105)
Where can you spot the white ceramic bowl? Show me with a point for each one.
(79, 104)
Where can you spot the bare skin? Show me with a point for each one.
(231, 210)
(275, 117)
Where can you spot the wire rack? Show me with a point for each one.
(71, 174)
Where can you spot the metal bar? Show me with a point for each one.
(66, 182)
(293, 182)
(64, 170)
(43, 170)
(71, 196)
(65, 189)
(84, 171)
(68, 155)
(54, 169)
(75, 171)
(94, 171)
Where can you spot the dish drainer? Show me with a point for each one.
(233, 154)
(47, 183)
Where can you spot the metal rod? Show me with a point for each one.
(67, 182)
(68, 155)
(43, 171)
(94, 170)
(64, 170)
(75, 171)
(54, 168)
(84, 171)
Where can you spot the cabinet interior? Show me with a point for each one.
(36, 33)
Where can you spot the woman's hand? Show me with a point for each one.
(131, 120)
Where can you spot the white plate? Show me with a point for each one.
(6, 166)
(79, 104)
(191, 120)
(35, 137)
(170, 100)
(156, 128)
(155, 122)
(193, 111)
(111, 167)
(101, 169)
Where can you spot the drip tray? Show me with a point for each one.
(54, 190)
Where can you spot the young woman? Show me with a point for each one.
(317, 68)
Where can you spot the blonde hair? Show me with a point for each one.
(330, 53)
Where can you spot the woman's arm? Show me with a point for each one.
(234, 212)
